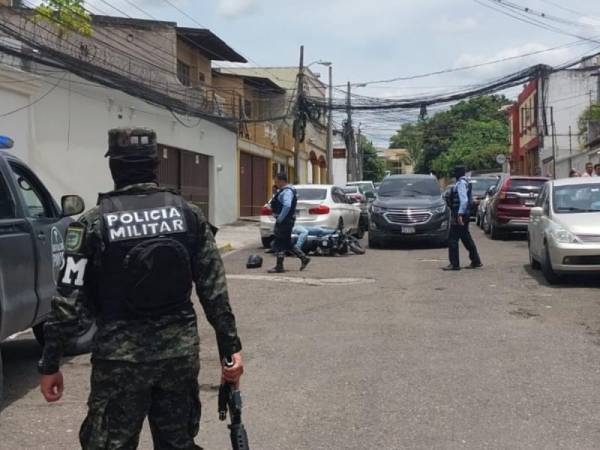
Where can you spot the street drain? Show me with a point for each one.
(304, 281)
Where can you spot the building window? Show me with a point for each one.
(183, 73)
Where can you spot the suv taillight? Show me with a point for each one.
(319, 210)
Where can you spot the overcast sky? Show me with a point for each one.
(382, 39)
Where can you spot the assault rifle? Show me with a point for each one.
(231, 398)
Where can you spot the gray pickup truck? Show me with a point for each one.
(32, 229)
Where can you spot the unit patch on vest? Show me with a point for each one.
(73, 271)
(144, 223)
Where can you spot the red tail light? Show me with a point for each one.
(322, 209)
(266, 211)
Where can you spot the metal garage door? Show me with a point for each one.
(186, 172)
(253, 184)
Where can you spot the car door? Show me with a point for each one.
(342, 205)
(536, 224)
(17, 271)
(48, 230)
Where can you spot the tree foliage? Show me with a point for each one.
(410, 137)
(373, 166)
(591, 115)
(67, 15)
(472, 132)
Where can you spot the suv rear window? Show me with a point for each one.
(311, 194)
(409, 187)
(481, 185)
(525, 186)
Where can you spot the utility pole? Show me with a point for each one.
(553, 142)
(297, 128)
(350, 144)
(570, 148)
(330, 130)
(359, 154)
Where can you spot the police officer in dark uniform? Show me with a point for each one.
(130, 263)
(459, 201)
(283, 205)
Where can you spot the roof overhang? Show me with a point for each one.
(210, 44)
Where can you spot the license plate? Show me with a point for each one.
(409, 230)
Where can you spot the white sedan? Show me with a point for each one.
(318, 206)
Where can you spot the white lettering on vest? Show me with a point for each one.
(74, 272)
(138, 224)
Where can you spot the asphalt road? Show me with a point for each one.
(381, 351)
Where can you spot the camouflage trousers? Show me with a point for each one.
(123, 394)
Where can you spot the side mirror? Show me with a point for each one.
(72, 205)
(537, 212)
(491, 190)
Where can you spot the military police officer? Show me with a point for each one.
(460, 201)
(131, 263)
(283, 205)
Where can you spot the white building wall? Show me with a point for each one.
(340, 171)
(568, 93)
(69, 134)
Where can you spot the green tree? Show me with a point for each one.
(67, 15)
(410, 137)
(475, 145)
(373, 165)
(590, 116)
(440, 131)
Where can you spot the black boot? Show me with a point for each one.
(305, 259)
(279, 267)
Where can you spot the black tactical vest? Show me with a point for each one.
(277, 205)
(453, 199)
(146, 265)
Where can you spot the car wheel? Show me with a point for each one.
(549, 274)
(266, 242)
(485, 225)
(495, 233)
(534, 263)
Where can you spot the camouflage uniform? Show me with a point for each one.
(143, 367)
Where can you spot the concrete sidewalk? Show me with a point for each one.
(238, 235)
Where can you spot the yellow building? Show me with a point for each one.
(264, 147)
(312, 152)
(397, 161)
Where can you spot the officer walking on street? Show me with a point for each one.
(130, 263)
(283, 205)
(460, 199)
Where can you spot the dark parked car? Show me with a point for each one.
(508, 209)
(409, 208)
(32, 227)
(479, 188)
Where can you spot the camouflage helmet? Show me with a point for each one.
(132, 142)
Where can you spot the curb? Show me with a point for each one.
(225, 247)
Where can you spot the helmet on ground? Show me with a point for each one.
(254, 262)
